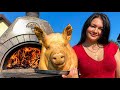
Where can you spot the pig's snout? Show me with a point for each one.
(58, 59)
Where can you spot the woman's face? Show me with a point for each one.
(94, 31)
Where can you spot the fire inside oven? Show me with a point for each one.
(24, 56)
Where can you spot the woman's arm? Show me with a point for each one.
(117, 57)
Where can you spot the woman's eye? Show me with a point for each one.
(92, 26)
(101, 28)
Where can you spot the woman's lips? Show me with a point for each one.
(93, 34)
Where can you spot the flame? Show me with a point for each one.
(26, 57)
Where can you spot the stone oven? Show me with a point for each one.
(19, 47)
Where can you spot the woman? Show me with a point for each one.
(97, 56)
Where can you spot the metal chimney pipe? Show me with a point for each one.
(32, 14)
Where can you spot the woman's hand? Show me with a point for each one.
(72, 74)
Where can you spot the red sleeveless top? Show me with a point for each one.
(90, 68)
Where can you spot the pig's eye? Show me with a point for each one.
(64, 44)
(47, 47)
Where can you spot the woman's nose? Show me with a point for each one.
(96, 29)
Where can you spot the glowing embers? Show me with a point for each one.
(25, 57)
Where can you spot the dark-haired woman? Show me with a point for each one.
(97, 56)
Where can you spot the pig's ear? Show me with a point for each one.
(67, 33)
(39, 33)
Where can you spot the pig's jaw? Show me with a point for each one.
(53, 66)
(58, 66)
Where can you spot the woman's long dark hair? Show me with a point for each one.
(104, 39)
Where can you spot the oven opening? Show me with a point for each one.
(23, 57)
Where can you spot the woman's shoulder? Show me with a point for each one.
(77, 47)
(112, 46)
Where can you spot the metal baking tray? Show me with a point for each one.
(52, 72)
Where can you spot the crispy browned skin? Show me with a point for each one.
(56, 54)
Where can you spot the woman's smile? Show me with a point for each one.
(93, 34)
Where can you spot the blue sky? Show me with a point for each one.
(59, 20)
